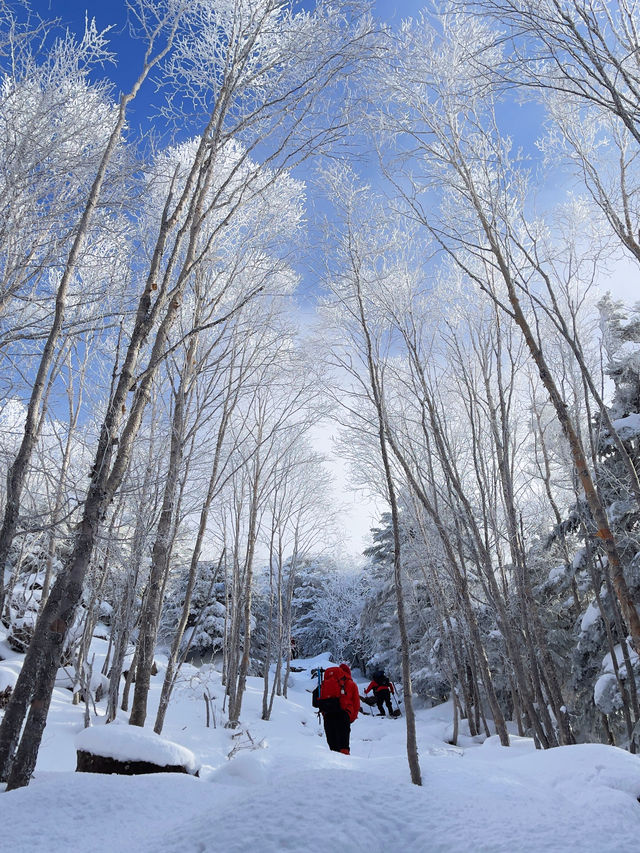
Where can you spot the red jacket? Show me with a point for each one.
(378, 687)
(350, 699)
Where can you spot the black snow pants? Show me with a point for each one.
(337, 728)
(384, 696)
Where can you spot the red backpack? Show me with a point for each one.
(331, 689)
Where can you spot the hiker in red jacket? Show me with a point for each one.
(339, 702)
(382, 690)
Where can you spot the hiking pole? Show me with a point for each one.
(395, 696)
(319, 673)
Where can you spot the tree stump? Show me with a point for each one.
(129, 751)
(89, 763)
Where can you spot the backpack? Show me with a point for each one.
(381, 679)
(331, 689)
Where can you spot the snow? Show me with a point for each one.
(629, 352)
(8, 677)
(272, 786)
(606, 693)
(607, 662)
(579, 558)
(556, 574)
(629, 427)
(590, 617)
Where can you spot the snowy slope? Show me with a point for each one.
(282, 790)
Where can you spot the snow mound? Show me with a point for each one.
(242, 769)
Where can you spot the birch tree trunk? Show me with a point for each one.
(74, 413)
(242, 670)
(43, 656)
(172, 663)
(461, 586)
(376, 391)
(268, 99)
(162, 546)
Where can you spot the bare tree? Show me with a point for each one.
(16, 473)
(232, 373)
(483, 197)
(298, 518)
(259, 95)
(585, 51)
(355, 281)
(278, 413)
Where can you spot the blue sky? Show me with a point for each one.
(71, 14)
(360, 512)
(142, 112)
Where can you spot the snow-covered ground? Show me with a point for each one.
(283, 790)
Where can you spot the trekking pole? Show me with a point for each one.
(395, 696)
(319, 673)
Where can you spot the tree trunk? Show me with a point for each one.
(131, 672)
(59, 612)
(162, 547)
(412, 740)
(175, 659)
(596, 507)
(37, 676)
(243, 667)
(461, 586)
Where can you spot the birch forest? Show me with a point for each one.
(418, 239)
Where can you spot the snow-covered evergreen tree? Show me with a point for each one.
(204, 635)
(326, 609)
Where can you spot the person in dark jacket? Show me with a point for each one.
(382, 690)
(339, 704)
